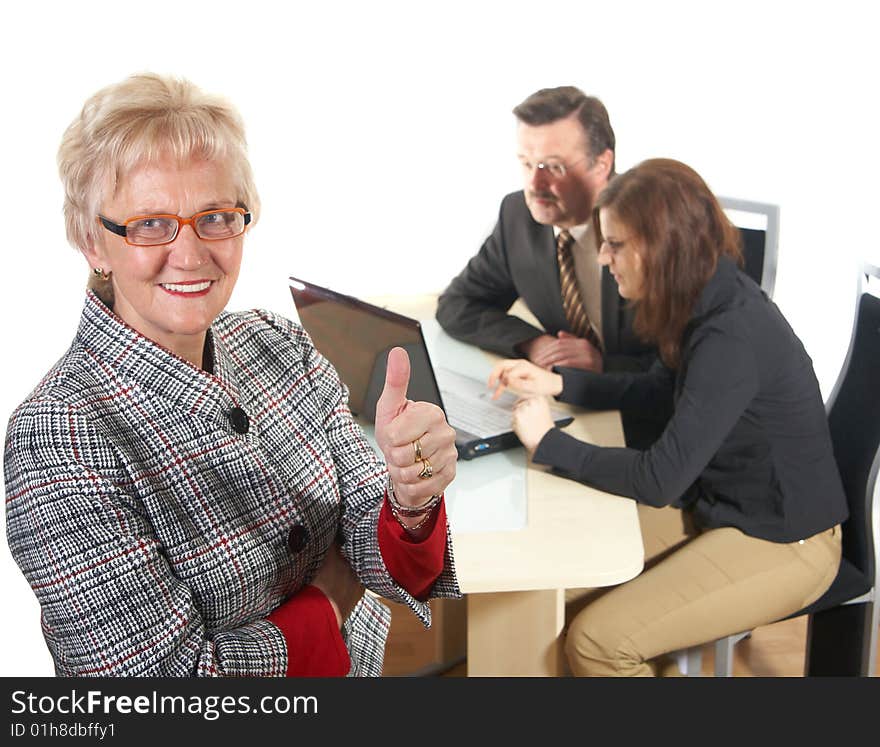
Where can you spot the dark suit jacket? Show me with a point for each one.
(519, 260)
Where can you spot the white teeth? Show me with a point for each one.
(178, 288)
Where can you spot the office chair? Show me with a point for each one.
(842, 629)
(758, 225)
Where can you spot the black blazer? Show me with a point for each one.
(519, 260)
(748, 444)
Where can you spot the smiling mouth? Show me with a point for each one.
(195, 288)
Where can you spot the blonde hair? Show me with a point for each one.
(143, 119)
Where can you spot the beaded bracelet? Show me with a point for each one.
(427, 517)
(410, 512)
(425, 510)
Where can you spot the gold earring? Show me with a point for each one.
(99, 273)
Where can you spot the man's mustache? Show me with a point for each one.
(549, 196)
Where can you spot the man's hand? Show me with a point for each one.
(571, 351)
(403, 428)
(537, 347)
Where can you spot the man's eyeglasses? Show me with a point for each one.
(556, 169)
(156, 230)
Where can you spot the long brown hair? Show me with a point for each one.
(682, 230)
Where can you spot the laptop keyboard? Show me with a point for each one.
(476, 416)
(470, 405)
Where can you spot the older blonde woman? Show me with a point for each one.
(186, 490)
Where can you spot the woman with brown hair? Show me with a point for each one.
(739, 500)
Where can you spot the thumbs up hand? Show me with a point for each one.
(393, 400)
(417, 442)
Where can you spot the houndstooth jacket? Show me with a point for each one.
(160, 512)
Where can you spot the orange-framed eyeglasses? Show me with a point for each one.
(157, 230)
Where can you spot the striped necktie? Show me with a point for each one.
(578, 321)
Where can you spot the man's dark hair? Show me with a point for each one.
(552, 104)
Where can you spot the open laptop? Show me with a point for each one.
(356, 338)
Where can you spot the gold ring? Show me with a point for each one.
(427, 470)
(417, 448)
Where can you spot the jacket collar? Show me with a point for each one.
(123, 353)
(719, 291)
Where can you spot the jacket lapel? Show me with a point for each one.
(125, 355)
(610, 312)
(546, 302)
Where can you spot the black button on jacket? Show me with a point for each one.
(297, 538)
(240, 421)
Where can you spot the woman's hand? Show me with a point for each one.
(417, 442)
(339, 583)
(531, 421)
(523, 377)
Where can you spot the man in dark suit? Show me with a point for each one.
(565, 145)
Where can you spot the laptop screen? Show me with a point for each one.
(356, 338)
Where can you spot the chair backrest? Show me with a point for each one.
(758, 224)
(854, 420)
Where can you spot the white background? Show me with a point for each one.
(382, 142)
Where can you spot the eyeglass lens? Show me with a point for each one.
(161, 229)
(554, 168)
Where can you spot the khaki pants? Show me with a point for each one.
(697, 587)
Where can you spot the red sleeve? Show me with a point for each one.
(414, 565)
(314, 643)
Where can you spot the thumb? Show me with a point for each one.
(393, 398)
(562, 334)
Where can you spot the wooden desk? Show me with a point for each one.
(515, 581)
